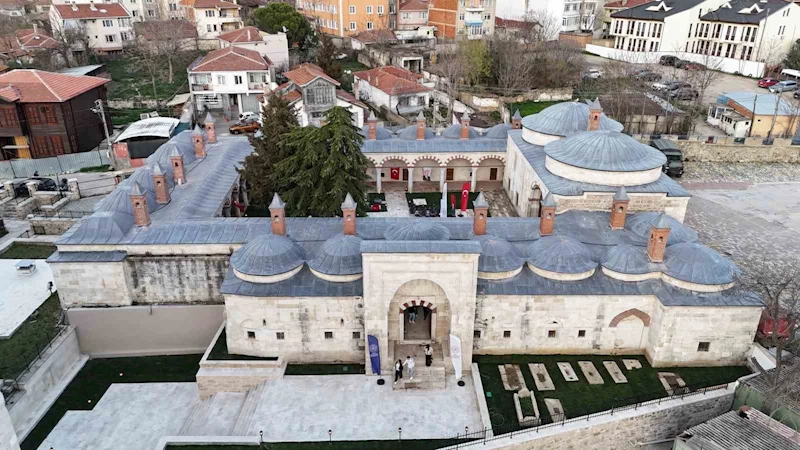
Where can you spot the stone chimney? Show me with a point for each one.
(481, 209)
(278, 215)
(595, 111)
(372, 126)
(162, 188)
(211, 130)
(176, 160)
(465, 126)
(349, 215)
(657, 243)
(420, 126)
(619, 209)
(141, 215)
(199, 142)
(547, 221)
(92, 7)
(74, 6)
(516, 120)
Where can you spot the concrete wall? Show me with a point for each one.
(780, 151)
(146, 330)
(51, 225)
(176, 279)
(8, 438)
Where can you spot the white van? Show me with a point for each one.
(790, 74)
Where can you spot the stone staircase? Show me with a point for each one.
(248, 409)
(223, 414)
(432, 377)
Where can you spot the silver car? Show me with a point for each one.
(783, 86)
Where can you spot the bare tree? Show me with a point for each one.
(511, 64)
(74, 44)
(169, 40)
(149, 58)
(450, 69)
(539, 26)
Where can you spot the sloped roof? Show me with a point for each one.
(626, 4)
(154, 126)
(414, 5)
(764, 103)
(9, 93)
(85, 11)
(206, 4)
(648, 11)
(733, 430)
(37, 86)
(373, 36)
(246, 34)
(230, 59)
(306, 73)
(732, 11)
(391, 81)
(30, 39)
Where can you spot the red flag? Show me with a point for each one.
(453, 201)
(464, 196)
(395, 173)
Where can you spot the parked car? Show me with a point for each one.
(647, 75)
(674, 165)
(684, 93)
(783, 86)
(45, 184)
(692, 66)
(593, 74)
(244, 126)
(796, 94)
(767, 82)
(669, 61)
(248, 115)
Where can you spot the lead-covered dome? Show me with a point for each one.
(497, 255)
(639, 223)
(381, 133)
(417, 230)
(499, 131)
(698, 264)
(627, 259)
(267, 256)
(609, 151)
(409, 133)
(566, 119)
(454, 132)
(339, 255)
(561, 255)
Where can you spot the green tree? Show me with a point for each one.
(275, 16)
(476, 60)
(792, 59)
(326, 57)
(278, 119)
(323, 166)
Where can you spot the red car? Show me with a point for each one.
(767, 82)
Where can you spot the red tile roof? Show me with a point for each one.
(292, 96)
(30, 39)
(230, 59)
(509, 23)
(392, 80)
(414, 5)
(84, 11)
(306, 73)
(9, 93)
(246, 34)
(348, 97)
(210, 4)
(627, 4)
(37, 86)
(371, 37)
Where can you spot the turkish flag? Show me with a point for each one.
(395, 173)
(465, 195)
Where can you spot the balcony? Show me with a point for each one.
(256, 86)
(409, 109)
(201, 87)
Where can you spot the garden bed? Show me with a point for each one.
(325, 369)
(30, 338)
(28, 250)
(433, 199)
(375, 198)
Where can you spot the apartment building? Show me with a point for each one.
(231, 79)
(348, 17)
(212, 17)
(412, 14)
(472, 19)
(108, 25)
(273, 47)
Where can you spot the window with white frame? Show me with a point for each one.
(370, 26)
(173, 6)
(125, 36)
(208, 28)
(352, 26)
(423, 15)
(151, 13)
(352, 9)
(406, 15)
(380, 9)
(221, 80)
(111, 38)
(108, 23)
(210, 13)
(369, 9)
(237, 79)
(781, 29)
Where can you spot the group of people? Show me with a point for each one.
(409, 364)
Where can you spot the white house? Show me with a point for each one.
(212, 17)
(566, 15)
(107, 24)
(231, 78)
(312, 93)
(140, 10)
(273, 47)
(398, 90)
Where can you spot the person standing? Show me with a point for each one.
(428, 355)
(410, 364)
(412, 314)
(398, 371)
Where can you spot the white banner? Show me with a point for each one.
(443, 204)
(455, 355)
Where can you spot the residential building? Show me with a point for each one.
(273, 47)
(412, 14)
(108, 25)
(212, 17)
(745, 429)
(23, 44)
(312, 93)
(472, 19)
(616, 6)
(363, 39)
(48, 114)
(347, 17)
(12, 8)
(230, 79)
(391, 88)
(566, 16)
(751, 114)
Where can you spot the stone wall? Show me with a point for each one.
(92, 284)
(176, 279)
(51, 225)
(780, 151)
(626, 429)
(8, 437)
(672, 206)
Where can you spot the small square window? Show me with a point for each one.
(476, 334)
(551, 333)
(251, 335)
(280, 336)
(581, 333)
(703, 346)
(507, 334)
(356, 335)
(329, 335)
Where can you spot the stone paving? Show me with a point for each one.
(21, 294)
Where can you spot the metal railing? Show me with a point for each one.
(10, 387)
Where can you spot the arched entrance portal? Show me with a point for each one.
(419, 321)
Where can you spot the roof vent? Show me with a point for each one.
(92, 7)
(103, 11)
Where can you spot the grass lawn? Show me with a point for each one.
(3, 232)
(126, 116)
(24, 345)
(324, 369)
(98, 374)
(352, 65)
(528, 108)
(220, 352)
(579, 397)
(130, 80)
(95, 169)
(26, 250)
(428, 444)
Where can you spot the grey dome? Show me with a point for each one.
(497, 255)
(605, 150)
(268, 255)
(339, 255)
(409, 133)
(639, 223)
(454, 132)
(381, 133)
(628, 259)
(417, 230)
(566, 119)
(561, 254)
(499, 131)
(699, 264)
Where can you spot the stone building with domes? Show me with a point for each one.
(603, 267)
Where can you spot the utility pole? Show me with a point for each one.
(778, 100)
(98, 109)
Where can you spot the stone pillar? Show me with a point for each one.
(442, 177)
(32, 187)
(226, 208)
(473, 178)
(121, 155)
(8, 187)
(74, 189)
(410, 179)
(465, 126)
(595, 112)
(235, 211)
(402, 329)
(243, 194)
(657, 242)
(433, 325)
(420, 127)
(378, 173)
(547, 221)
(278, 214)
(372, 126)
(8, 437)
(141, 214)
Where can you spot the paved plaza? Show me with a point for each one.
(294, 408)
(21, 294)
